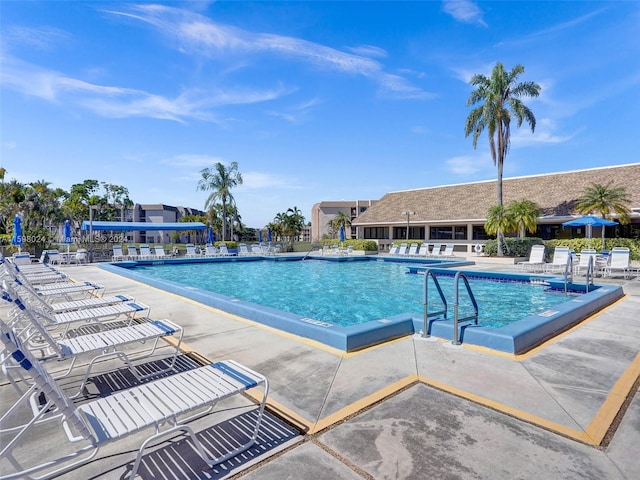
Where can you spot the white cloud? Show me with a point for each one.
(192, 160)
(464, 11)
(196, 34)
(368, 51)
(44, 38)
(544, 134)
(467, 165)
(263, 180)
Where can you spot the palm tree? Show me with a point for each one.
(220, 180)
(499, 221)
(603, 200)
(501, 96)
(524, 214)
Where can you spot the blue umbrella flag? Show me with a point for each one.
(17, 232)
(269, 235)
(259, 236)
(67, 233)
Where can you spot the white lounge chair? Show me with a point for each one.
(145, 252)
(132, 252)
(618, 262)
(210, 251)
(54, 257)
(191, 251)
(118, 254)
(224, 251)
(423, 251)
(159, 253)
(560, 260)
(435, 251)
(586, 256)
(153, 405)
(403, 249)
(81, 256)
(413, 250)
(393, 249)
(536, 259)
(242, 249)
(102, 345)
(448, 250)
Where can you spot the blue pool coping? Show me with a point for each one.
(515, 338)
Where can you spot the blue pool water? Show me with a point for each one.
(352, 293)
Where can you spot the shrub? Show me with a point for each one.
(357, 244)
(513, 247)
(578, 244)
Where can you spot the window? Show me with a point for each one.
(479, 233)
(377, 233)
(460, 232)
(441, 233)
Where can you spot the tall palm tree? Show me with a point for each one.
(524, 214)
(604, 200)
(499, 221)
(220, 180)
(499, 96)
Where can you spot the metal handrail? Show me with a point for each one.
(456, 283)
(428, 273)
(589, 274)
(568, 272)
(310, 250)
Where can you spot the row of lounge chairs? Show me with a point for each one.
(605, 264)
(414, 250)
(52, 319)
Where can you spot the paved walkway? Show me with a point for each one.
(408, 409)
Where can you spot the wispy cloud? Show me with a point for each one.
(263, 180)
(545, 134)
(44, 38)
(464, 11)
(187, 160)
(296, 113)
(198, 35)
(468, 165)
(368, 51)
(120, 102)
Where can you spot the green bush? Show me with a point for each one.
(357, 244)
(578, 244)
(512, 247)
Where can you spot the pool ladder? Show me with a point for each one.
(456, 288)
(568, 274)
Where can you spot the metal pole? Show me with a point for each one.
(90, 233)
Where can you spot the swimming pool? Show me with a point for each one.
(515, 337)
(346, 294)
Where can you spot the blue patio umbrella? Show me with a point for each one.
(17, 233)
(590, 221)
(269, 235)
(67, 240)
(210, 235)
(341, 234)
(259, 236)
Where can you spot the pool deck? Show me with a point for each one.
(410, 408)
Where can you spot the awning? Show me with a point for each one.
(148, 226)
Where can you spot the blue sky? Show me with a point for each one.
(314, 100)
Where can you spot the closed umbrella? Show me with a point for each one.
(269, 234)
(67, 240)
(259, 236)
(210, 238)
(341, 234)
(590, 221)
(17, 233)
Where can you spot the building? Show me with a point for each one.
(157, 213)
(456, 213)
(322, 213)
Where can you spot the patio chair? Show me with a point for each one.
(69, 290)
(423, 251)
(132, 252)
(118, 254)
(210, 251)
(54, 257)
(435, 251)
(159, 253)
(104, 344)
(242, 249)
(413, 250)
(618, 262)
(448, 250)
(191, 251)
(145, 252)
(81, 256)
(349, 250)
(536, 260)
(403, 249)
(393, 249)
(224, 251)
(65, 306)
(560, 260)
(166, 402)
(586, 256)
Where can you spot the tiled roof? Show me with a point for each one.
(556, 194)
